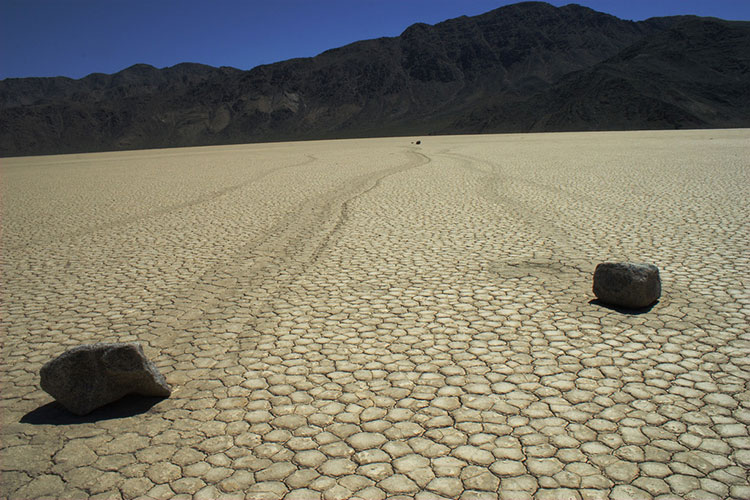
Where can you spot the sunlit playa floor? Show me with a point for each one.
(374, 318)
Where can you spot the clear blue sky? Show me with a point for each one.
(77, 37)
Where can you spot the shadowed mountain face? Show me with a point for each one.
(524, 67)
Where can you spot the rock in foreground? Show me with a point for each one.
(93, 375)
(628, 285)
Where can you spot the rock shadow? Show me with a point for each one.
(623, 310)
(55, 414)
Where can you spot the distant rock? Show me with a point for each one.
(626, 284)
(93, 375)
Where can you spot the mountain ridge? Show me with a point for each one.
(519, 68)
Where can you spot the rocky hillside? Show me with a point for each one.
(524, 67)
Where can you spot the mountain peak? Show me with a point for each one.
(523, 67)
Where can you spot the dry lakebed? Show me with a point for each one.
(376, 318)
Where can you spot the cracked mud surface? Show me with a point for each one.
(375, 319)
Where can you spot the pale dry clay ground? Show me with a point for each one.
(374, 319)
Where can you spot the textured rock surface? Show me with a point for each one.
(627, 284)
(92, 375)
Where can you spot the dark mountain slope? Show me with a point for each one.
(527, 66)
(431, 72)
(695, 74)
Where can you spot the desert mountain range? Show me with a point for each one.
(520, 68)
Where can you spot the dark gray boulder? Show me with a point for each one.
(93, 375)
(626, 284)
